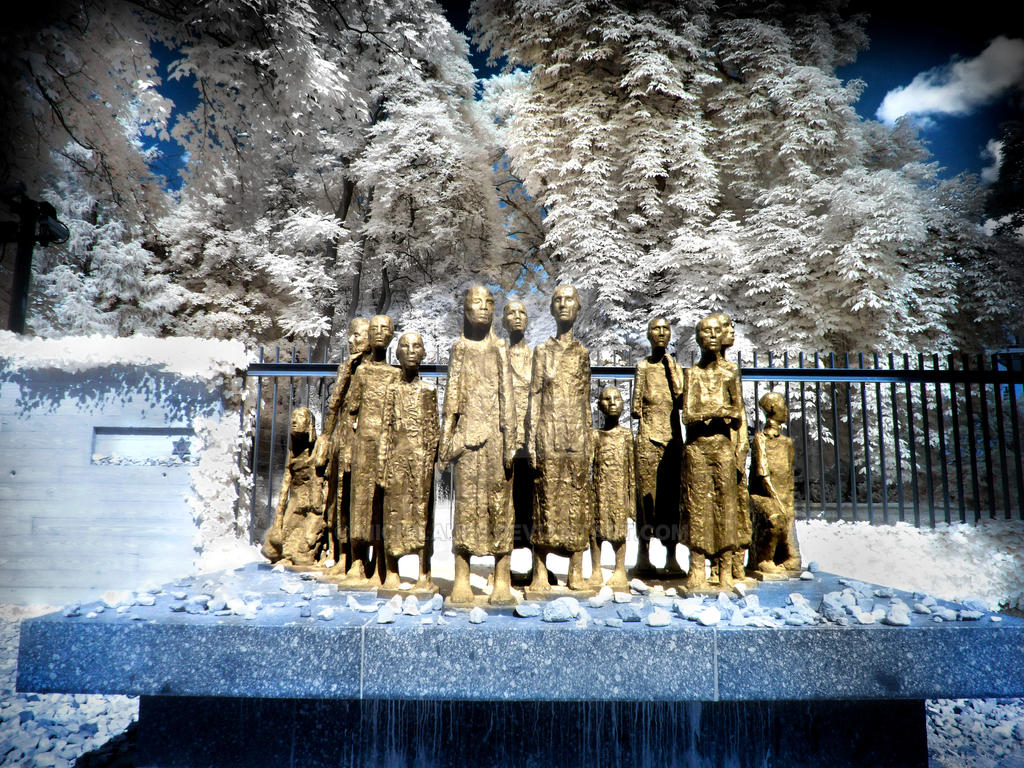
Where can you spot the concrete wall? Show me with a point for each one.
(94, 479)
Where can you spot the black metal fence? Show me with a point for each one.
(881, 439)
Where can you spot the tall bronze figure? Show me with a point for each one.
(741, 446)
(408, 450)
(559, 435)
(657, 389)
(775, 546)
(615, 486)
(298, 527)
(334, 447)
(478, 436)
(365, 404)
(712, 407)
(515, 320)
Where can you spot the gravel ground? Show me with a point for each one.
(49, 730)
(98, 731)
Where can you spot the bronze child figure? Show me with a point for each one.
(408, 450)
(614, 485)
(515, 321)
(478, 436)
(771, 492)
(712, 406)
(297, 531)
(559, 436)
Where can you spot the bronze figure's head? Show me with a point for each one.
(478, 307)
(410, 351)
(709, 334)
(565, 304)
(515, 318)
(303, 424)
(358, 336)
(774, 406)
(610, 401)
(728, 330)
(381, 332)
(659, 333)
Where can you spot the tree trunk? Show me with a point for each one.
(360, 265)
(322, 346)
(384, 302)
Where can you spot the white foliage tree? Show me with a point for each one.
(102, 280)
(702, 156)
(78, 95)
(339, 144)
(336, 160)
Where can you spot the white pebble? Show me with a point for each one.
(639, 587)
(477, 616)
(658, 618)
(709, 616)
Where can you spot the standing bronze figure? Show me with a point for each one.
(559, 436)
(334, 447)
(615, 485)
(712, 406)
(771, 492)
(408, 450)
(478, 436)
(657, 389)
(515, 320)
(365, 405)
(298, 527)
(741, 446)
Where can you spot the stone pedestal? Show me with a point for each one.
(294, 683)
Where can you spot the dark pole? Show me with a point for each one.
(29, 212)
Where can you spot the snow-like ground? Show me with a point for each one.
(949, 562)
(190, 357)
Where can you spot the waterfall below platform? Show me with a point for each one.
(524, 734)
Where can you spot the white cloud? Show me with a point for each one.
(961, 86)
(994, 151)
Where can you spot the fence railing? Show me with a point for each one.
(881, 439)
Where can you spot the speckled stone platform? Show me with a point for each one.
(257, 632)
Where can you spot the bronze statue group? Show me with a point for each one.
(529, 469)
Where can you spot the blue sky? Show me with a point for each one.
(944, 60)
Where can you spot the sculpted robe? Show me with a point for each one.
(560, 431)
(741, 446)
(774, 520)
(521, 359)
(709, 470)
(340, 438)
(365, 402)
(407, 455)
(478, 436)
(298, 526)
(659, 442)
(614, 482)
